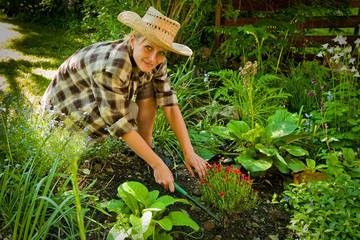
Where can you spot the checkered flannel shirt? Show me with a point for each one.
(96, 84)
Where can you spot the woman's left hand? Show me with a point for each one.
(192, 160)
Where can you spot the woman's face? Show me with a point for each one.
(146, 54)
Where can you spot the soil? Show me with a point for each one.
(265, 221)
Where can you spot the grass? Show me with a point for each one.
(31, 56)
(38, 160)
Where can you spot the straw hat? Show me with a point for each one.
(157, 28)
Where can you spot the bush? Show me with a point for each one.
(324, 210)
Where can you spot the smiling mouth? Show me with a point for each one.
(148, 64)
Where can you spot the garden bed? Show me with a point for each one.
(266, 221)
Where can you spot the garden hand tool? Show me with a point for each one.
(183, 192)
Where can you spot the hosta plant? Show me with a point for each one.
(140, 214)
(272, 145)
(228, 189)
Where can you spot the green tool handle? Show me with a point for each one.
(183, 192)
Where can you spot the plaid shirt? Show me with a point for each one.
(96, 84)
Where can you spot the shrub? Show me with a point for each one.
(324, 210)
(228, 189)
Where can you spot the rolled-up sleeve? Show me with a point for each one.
(164, 93)
(111, 94)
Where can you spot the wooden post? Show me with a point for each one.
(217, 23)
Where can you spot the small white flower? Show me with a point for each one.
(337, 49)
(357, 41)
(348, 49)
(326, 45)
(344, 68)
(320, 54)
(331, 50)
(336, 56)
(340, 39)
(353, 69)
(352, 60)
(357, 74)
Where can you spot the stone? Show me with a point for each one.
(255, 225)
(208, 226)
(218, 237)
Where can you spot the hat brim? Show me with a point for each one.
(134, 21)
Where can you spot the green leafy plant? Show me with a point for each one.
(34, 159)
(263, 147)
(253, 98)
(324, 210)
(228, 189)
(140, 214)
(338, 108)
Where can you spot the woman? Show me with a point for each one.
(98, 84)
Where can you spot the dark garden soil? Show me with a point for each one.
(266, 221)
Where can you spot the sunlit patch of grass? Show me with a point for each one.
(31, 54)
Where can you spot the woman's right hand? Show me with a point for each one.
(162, 173)
(164, 176)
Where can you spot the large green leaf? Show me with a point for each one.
(162, 236)
(238, 128)
(295, 150)
(138, 191)
(165, 223)
(129, 200)
(156, 206)
(283, 168)
(279, 129)
(181, 219)
(283, 115)
(113, 205)
(222, 132)
(167, 200)
(153, 196)
(267, 151)
(295, 164)
(295, 137)
(253, 135)
(141, 225)
(204, 153)
(254, 165)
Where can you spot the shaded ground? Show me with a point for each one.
(266, 221)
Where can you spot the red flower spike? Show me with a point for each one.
(202, 181)
(228, 179)
(221, 194)
(210, 186)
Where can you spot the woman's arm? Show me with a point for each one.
(162, 173)
(177, 124)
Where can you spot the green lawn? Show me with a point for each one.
(30, 55)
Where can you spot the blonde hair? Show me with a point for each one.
(137, 35)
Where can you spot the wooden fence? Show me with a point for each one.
(352, 21)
